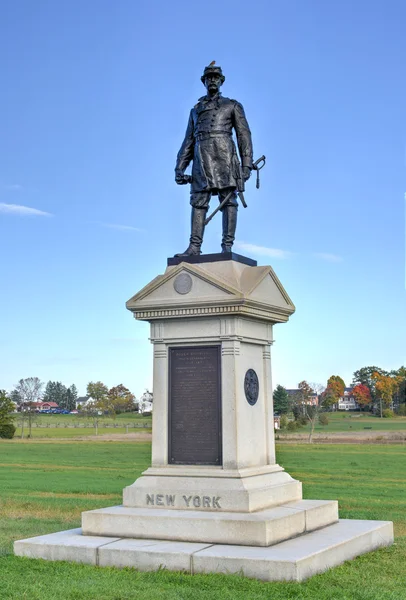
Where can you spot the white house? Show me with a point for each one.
(347, 401)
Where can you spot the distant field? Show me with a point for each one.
(45, 485)
(69, 426)
(350, 422)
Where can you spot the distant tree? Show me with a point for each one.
(29, 391)
(328, 398)
(281, 401)
(56, 391)
(7, 428)
(97, 391)
(120, 399)
(400, 394)
(305, 391)
(323, 419)
(385, 389)
(365, 376)
(362, 395)
(15, 397)
(337, 385)
(71, 397)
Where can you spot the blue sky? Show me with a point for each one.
(94, 105)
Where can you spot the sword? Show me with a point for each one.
(256, 167)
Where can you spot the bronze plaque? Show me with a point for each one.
(195, 406)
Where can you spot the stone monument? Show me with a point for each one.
(214, 499)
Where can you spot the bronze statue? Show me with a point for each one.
(216, 168)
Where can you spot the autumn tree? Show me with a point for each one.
(362, 395)
(281, 401)
(337, 385)
(29, 391)
(120, 399)
(365, 376)
(385, 388)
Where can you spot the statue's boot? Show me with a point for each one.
(229, 227)
(197, 230)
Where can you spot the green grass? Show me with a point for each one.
(350, 422)
(71, 432)
(45, 485)
(74, 426)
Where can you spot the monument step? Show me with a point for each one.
(262, 528)
(194, 489)
(291, 560)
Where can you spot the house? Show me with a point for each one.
(42, 406)
(81, 401)
(296, 396)
(347, 401)
(145, 404)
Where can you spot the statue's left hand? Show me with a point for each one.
(246, 173)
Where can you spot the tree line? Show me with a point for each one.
(28, 392)
(373, 389)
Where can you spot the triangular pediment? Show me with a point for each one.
(262, 284)
(183, 284)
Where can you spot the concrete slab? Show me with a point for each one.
(68, 545)
(292, 560)
(262, 528)
(300, 558)
(150, 555)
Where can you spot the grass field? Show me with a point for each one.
(45, 485)
(73, 426)
(347, 422)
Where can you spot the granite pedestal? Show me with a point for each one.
(214, 499)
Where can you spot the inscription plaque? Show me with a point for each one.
(195, 406)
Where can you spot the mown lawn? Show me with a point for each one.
(355, 421)
(44, 486)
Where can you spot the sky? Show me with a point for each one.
(94, 105)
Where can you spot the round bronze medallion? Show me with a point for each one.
(183, 283)
(251, 386)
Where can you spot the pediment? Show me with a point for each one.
(262, 284)
(183, 285)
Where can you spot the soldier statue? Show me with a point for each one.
(216, 169)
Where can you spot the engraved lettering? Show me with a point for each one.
(206, 502)
(170, 500)
(187, 500)
(150, 499)
(160, 500)
(196, 501)
(216, 503)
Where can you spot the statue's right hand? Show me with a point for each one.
(179, 177)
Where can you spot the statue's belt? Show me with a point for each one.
(205, 135)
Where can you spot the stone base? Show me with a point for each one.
(202, 488)
(263, 528)
(291, 560)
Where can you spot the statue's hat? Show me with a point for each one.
(212, 70)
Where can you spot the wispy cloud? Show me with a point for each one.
(22, 211)
(12, 187)
(119, 227)
(328, 257)
(263, 250)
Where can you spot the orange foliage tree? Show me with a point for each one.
(362, 395)
(386, 386)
